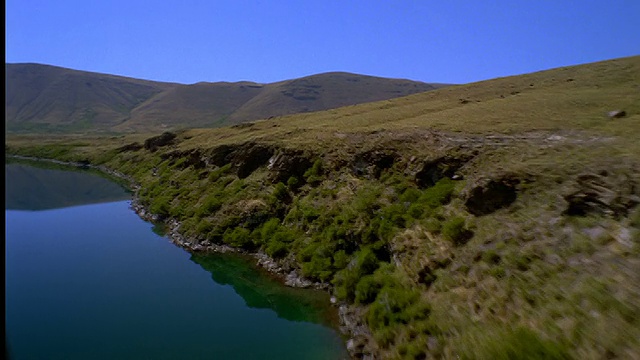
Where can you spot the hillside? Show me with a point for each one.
(48, 99)
(42, 98)
(493, 220)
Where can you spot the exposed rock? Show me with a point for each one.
(288, 163)
(130, 147)
(246, 158)
(221, 155)
(616, 114)
(250, 157)
(153, 143)
(294, 280)
(360, 344)
(489, 195)
(602, 194)
(191, 158)
(372, 163)
(433, 170)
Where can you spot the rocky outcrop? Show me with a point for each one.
(220, 155)
(373, 163)
(488, 195)
(189, 158)
(360, 344)
(250, 157)
(245, 158)
(602, 194)
(130, 147)
(164, 139)
(431, 171)
(288, 163)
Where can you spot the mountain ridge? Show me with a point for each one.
(46, 98)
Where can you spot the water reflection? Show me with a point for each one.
(259, 290)
(54, 186)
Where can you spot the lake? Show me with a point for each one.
(86, 278)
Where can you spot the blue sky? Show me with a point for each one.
(264, 41)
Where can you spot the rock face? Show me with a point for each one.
(432, 171)
(164, 139)
(287, 163)
(372, 163)
(191, 158)
(602, 194)
(221, 155)
(249, 158)
(489, 195)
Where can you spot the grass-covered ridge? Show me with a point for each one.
(495, 219)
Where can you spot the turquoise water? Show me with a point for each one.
(93, 281)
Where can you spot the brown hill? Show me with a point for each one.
(42, 98)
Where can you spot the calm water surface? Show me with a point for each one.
(93, 281)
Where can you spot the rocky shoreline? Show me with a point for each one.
(359, 339)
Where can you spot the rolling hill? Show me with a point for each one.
(49, 99)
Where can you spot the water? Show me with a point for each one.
(93, 281)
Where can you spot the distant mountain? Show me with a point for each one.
(43, 98)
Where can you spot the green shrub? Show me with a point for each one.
(215, 175)
(367, 289)
(340, 260)
(269, 228)
(345, 282)
(396, 305)
(204, 227)
(210, 205)
(455, 230)
(280, 192)
(410, 195)
(293, 182)
(364, 263)
(161, 206)
(238, 237)
(318, 268)
(313, 175)
(439, 194)
(277, 249)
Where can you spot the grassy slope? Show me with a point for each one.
(531, 279)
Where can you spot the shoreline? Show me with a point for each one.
(356, 335)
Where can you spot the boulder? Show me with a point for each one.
(489, 195)
(601, 194)
(616, 114)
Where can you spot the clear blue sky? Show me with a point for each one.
(206, 40)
